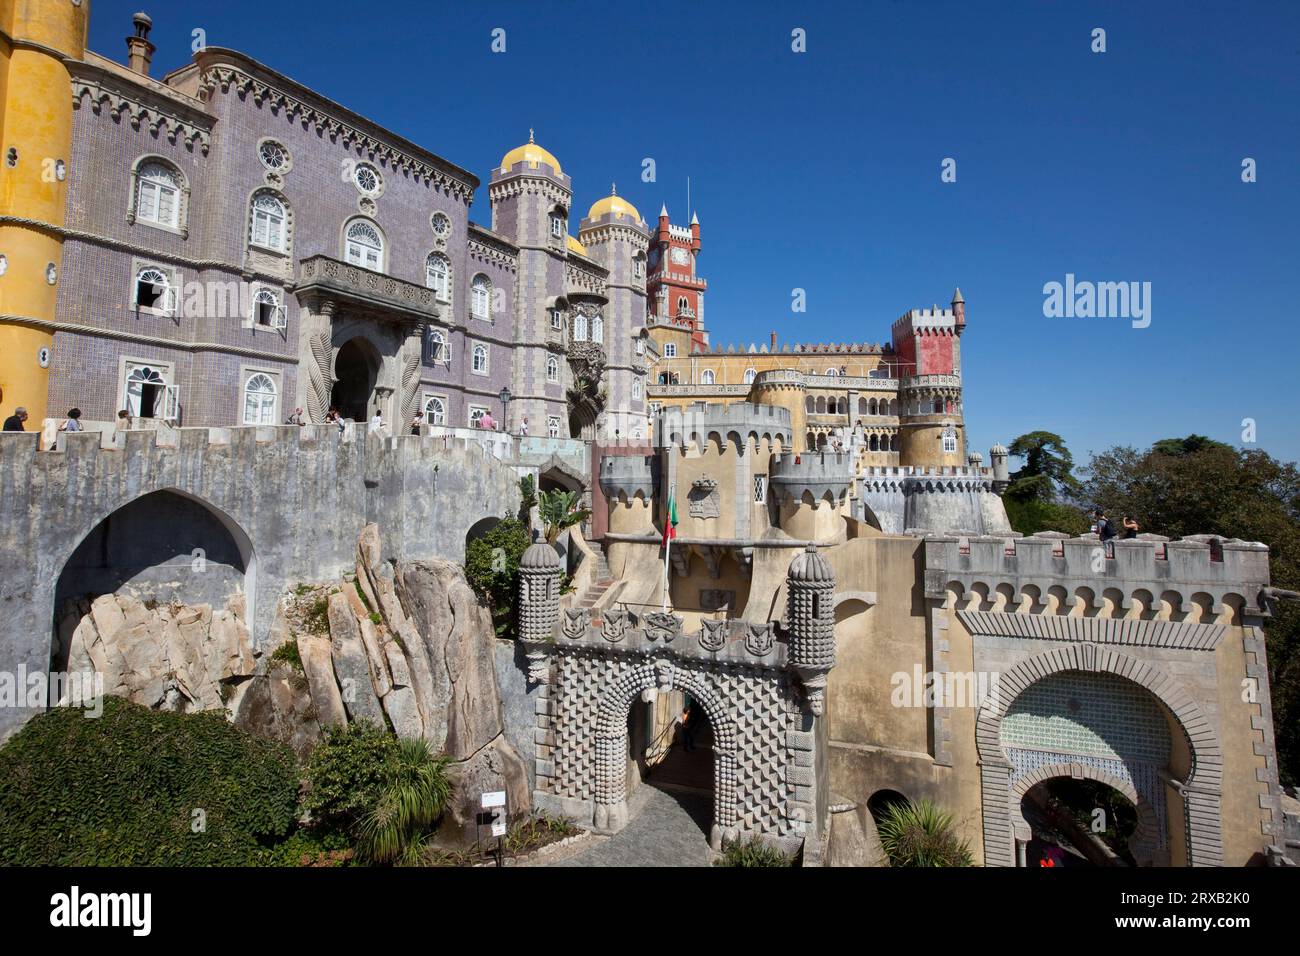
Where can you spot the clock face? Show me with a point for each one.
(680, 256)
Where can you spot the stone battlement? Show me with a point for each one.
(628, 476)
(934, 320)
(700, 423)
(1201, 569)
(824, 474)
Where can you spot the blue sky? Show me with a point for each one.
(821, 170)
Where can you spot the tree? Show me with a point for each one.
(492, 568)
(560, 510)
(1193, 485)
(1048, 468)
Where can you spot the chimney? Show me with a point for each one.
(773, 340)
(139, 51)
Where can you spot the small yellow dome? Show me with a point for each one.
(575, 246)
(615, 204)
(532, 154)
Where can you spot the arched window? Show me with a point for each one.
(670, 350)
(832, 371)
(364, 246)
(597, 329)
(821, 405)
(810, 405)
(480, 360)
(636, 389)
(266, 310)
(579, 327)
(938, 406)
(874, 445)
(893, 443)
(862, 406)
(552, 369)
(481, 297)
(437, 276)
(439, 350)
(153, 290)
(749, 376)
(259, 400)
(435, 411)
(706, 377)
(683, 304)
(269, 223)
(893, 406)
(559, 223)
(158, 195)
(146, 393)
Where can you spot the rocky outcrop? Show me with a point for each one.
(172, 657)
(278, 705)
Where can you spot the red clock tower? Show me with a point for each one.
(674, 293)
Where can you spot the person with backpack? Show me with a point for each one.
(1105, 531)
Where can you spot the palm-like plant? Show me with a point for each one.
(415, 791)
(560, 510)
(920, 834)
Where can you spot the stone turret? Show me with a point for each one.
(812, 490)
(539, 604)
(810, 590)
(1001, 476)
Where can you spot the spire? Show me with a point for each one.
(530, 134)
(663, 210)
(695, 219)
(613, 189)
(956, 296)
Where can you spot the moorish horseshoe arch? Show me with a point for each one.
(1144, 843)
(1201, 791)
(612, 744)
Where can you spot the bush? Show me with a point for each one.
(920, 834)
(492, 568)
(345, 774)
(415, 790)
(287, 653)
(752, 852)
(131, 787)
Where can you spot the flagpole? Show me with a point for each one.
(668, 544)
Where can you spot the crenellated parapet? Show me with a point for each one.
(821, 474)
(736, 424)
(625, 477)
(1201, 575)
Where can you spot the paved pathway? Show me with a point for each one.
(668, 828)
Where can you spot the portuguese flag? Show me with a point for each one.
(670, 523)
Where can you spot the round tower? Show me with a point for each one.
(785, 388)
(810, 617)
(539, 605)
(36, 116)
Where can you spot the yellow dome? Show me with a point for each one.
(613, 204)
(530, 153)
(575, 246)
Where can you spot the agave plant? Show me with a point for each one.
(559, 510)
(920, 834)
(415, 791)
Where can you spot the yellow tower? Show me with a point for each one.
(35, 150)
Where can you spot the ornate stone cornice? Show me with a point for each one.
(489, 249)
(141, 105)
(1184, 635)
(225, 70)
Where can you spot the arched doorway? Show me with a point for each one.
(670, 748)
(162, 548)
(1083, 821)
(356, 369)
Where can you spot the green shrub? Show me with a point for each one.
(752, 852)
(920, 834)
(317, 618)
(309, 848)
(345, 774)
(416, 788)
(492, 568)
(287, 653)
(131, 787)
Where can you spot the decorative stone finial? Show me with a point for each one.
(530, 134)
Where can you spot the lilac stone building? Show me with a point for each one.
(238, 245)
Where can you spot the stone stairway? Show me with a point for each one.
(603, 579)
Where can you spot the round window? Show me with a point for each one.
(441, 225)
(367, 179)
(274, 155)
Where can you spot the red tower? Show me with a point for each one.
(674, 293)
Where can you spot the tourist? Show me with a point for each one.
(688, 729)
(1130, 528)
(73, 422)
(333, 417)
(1105, 531)
(296, 418)
(487, 421)
(14, 423)
(416, 423)
(377, 423)
(123, 421)
(523, 428)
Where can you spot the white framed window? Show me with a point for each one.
(683, 304)
(476, 413)
(670, 350)
(158, 195)
(640, 346)
(832, 371)
(267, 311)
(363, 245)
(597, 329)
(559, 225)
(154, 292)
(481, 297)
(552, 369)
(636, 389)
(949, 444)
(553, 426)
(579, 327)
(260, 396)
(439, 349)
(437, 275)
(269, 222)
(760, 488)
(557, 320)
(706, 377)
(638, 266)
(480, 365)
(367, 179)
(750, 374)
(147, 391)
(435, 410)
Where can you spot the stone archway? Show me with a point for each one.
(612, 746)
(1200, 792)
(1145, 842)
(356, 373)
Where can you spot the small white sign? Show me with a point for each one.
(499, 828)
(494, 798)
